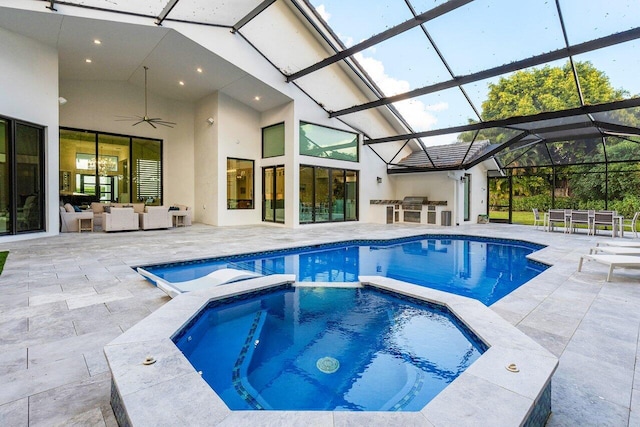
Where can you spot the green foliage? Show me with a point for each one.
(3, 259)
(537, 90)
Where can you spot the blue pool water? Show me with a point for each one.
(314, 348)
(480, 268)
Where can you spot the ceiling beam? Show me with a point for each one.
(511, 121)
(380, 37)
(249, 16)
(165, 11)
(544, 58)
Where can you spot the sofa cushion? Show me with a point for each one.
(97, 207)
(69, 207)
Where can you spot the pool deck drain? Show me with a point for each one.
(143, 395)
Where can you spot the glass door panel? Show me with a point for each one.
(112, 165)
(5, 174)
(268, 204)
(279, 185)
(29, 178)
(322, 199)
(351, 196)
(306, 194)
(146, 171)
(337, 198)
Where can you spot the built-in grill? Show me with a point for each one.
(412, 208)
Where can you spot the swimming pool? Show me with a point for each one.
(312, 348)
(481, 268)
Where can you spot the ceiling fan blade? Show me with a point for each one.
(139, 119)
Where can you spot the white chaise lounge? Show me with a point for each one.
(613, 261)
(616, 250)
(215, 278)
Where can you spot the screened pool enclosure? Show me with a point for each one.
(547, 89)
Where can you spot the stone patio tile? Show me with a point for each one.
(62, 349)
(15, 414)
(71, 404)
(552, 342)
(60, 296)
(596, 344)
(20, 384)
(13, 360)
(278, 418)
(92, 299)
(594, 379)
(549, 320)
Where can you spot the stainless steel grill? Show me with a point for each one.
(413, 203)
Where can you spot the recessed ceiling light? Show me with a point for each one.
(96, 41)
(257, 98)
(199, 69)
(88, 61)
(181, 83)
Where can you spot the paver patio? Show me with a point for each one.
(63, 298)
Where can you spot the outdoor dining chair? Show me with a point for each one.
(537, 220)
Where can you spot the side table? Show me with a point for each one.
(85, 224)
(178, 218)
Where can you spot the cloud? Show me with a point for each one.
(322, 11)
(417, 113)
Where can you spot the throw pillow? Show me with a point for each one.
(68, 207)
(107, 209)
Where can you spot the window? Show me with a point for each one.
(328, 195)
(127, 169)
(273, 200)
(321, 141)
(21, 177)
(239, 184)
(273, 141)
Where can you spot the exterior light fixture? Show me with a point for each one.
(379, 179)
(96, 41)
(257, 98)
(181, 83)
(88, 61)
(210, 121)
(199, 69)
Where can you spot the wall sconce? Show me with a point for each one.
(62, 100)
(379, 179)
(210, 121)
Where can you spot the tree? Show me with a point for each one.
(538, 90)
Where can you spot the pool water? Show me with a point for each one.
(480, 268)
(314, 348)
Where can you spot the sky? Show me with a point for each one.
(477, 36)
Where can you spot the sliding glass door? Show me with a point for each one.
(273, 194)
(21, 177)
(109, 168)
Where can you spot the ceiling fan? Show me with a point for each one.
(153, 121)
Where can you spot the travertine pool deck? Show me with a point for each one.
(63, 298)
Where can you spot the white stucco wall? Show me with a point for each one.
(29, 92)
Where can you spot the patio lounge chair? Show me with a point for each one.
(621, 244)
(215, 278)
(616, 250)
(613, 261)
